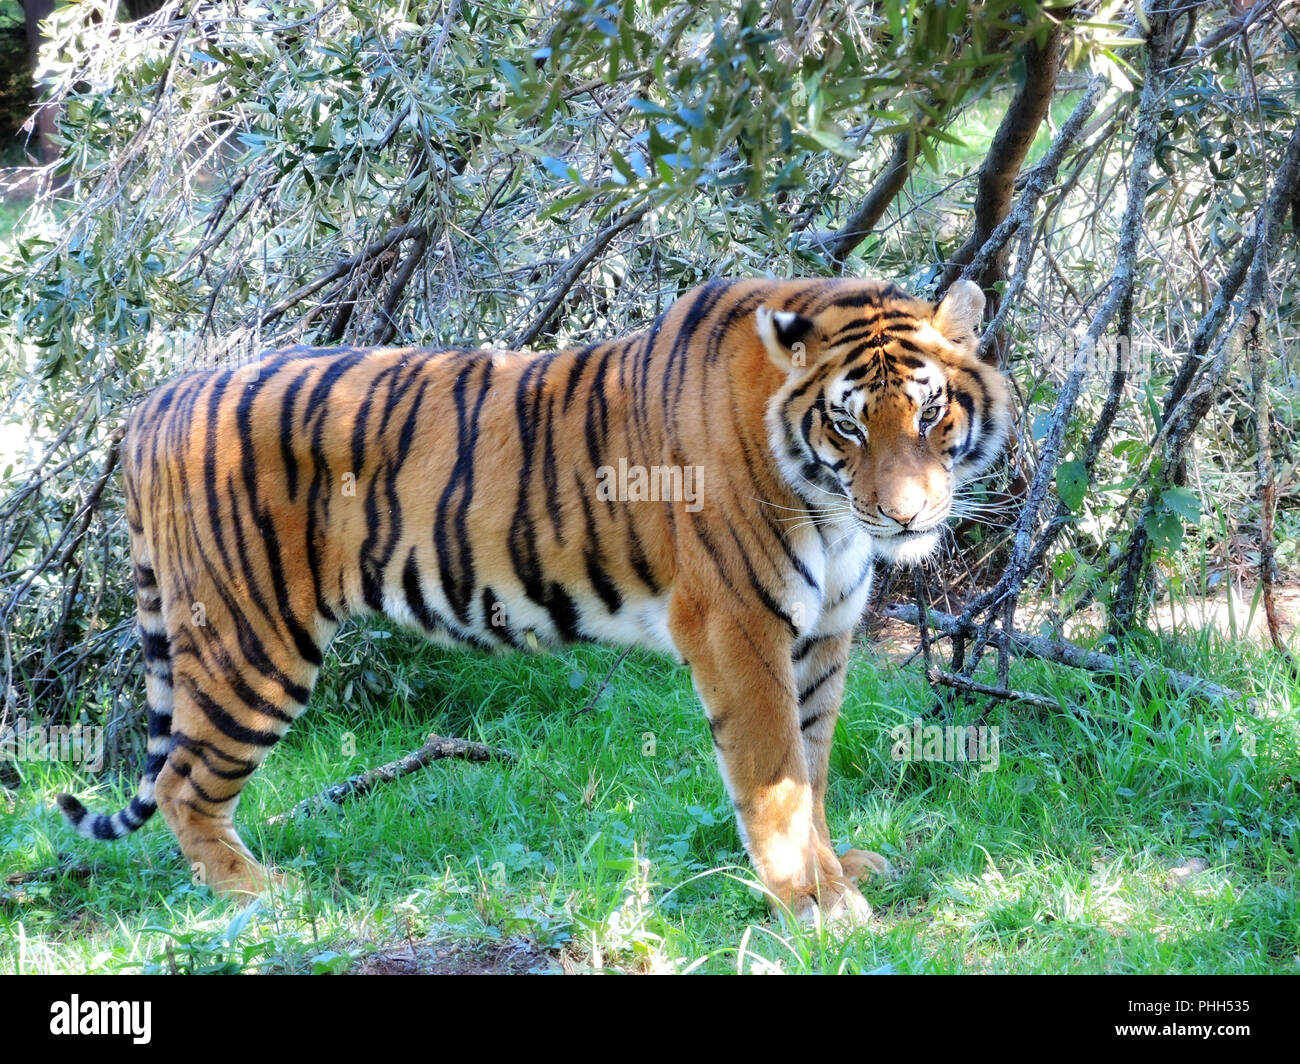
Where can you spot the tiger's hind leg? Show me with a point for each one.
(231, 704)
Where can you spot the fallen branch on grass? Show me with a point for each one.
(19, 881)
(436, 748)
(939, 676)
(1058, 650)
(43, 875)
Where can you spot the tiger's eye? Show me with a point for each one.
(850, 428)
(930, 415)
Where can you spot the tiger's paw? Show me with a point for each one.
(244, 882)
(270, 885)
(860, 863)
(838, 908)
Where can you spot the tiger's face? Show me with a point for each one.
(885, 410)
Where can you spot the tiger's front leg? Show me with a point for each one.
(820, 667)
(742, 668)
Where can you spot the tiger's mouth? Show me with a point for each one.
(900, 544)
(905, 546)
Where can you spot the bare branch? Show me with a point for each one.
(1006, 155)
(1024, 645)
(1267, 490)
(435, 748)
(1120, 290)
(1238, 26)
(1039, 179)
(572, 271)
(384, 243)
(840, 244)
(1189, 409)
(959, 683)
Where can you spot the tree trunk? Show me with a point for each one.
(35, 12)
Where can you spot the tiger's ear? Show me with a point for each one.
(958, 316)
(785, 337)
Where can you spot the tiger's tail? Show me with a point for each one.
(158, 692)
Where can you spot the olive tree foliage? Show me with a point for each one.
(235, 176)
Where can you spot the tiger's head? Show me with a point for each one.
(885, 410)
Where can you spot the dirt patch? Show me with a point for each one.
(514, 956)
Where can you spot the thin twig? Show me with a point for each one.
(591, 704)
(960, 683)
(573, 270)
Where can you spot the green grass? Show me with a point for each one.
(1063, 859)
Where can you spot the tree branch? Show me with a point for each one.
(1232, 28)
(840, 244)
(435, 748)
(572, 271)
(1006, 155)
(937, 675)
(1120, 291)
(346, 266)
(1024, 645)
(1267, 490)
(1187, 411)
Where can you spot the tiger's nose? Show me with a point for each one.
(903, 515)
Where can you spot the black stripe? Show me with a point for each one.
(706, 298)
(802, 647)
(155, 646)
(415, 599)
(764, 596)
(523, 533)
(451, 537)
(564, 612)
(204, 751)
(103, 828)
(287, 434)
(185, 769)
(813, 687)
(226, 724)
(600, 580)
(502, 631)
(861, 579)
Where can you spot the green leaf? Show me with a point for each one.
(1072, 484)
(511, 73)
(691, 116)
(647, 107)
(1184, 503)
(330, 963)
(561, 169)
(1164, 529)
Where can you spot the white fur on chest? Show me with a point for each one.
(841, 569)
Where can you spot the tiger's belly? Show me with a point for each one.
(504, 619)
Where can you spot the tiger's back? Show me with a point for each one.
(667, 489)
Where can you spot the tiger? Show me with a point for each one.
(498, 500)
